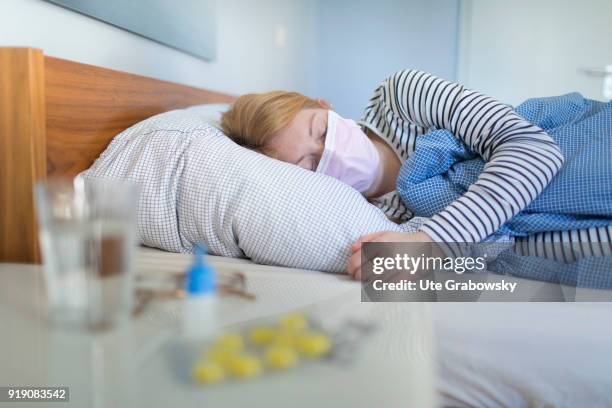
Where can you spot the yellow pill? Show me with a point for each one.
(313, 344)
(261, 335)
(221, 356)
(294, 321)
(281, 357)
(245, 366)
(284, 338)
(208, 373)
(230, 341)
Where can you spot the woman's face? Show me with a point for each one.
(302, 141)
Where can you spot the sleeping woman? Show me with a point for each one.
(519, 159)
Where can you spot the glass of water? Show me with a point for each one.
(88, 240)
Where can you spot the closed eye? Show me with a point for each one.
(308, 162)
(313, 164)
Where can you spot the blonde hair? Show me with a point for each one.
(254, 119)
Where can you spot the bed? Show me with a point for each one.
(57, 116)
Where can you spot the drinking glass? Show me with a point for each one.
(88, 239)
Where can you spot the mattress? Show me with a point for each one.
(493, 354)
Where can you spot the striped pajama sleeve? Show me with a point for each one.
(521, 159)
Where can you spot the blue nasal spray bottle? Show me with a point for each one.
(200, 305)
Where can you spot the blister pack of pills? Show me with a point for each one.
(252, 350)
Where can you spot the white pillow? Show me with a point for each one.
(197, 185)
(210, 112)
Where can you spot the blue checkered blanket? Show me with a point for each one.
(580, 196)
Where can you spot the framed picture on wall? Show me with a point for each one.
(188, 25)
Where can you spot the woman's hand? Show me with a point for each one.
(354, 265)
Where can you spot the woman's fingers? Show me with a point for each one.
(354, 264)
(357, 275)
(366, 238)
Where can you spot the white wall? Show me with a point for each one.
(248, 57)
(336, 49)
(513, 50)
(361, 42)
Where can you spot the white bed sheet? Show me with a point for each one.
(524, 354)
(488, 354)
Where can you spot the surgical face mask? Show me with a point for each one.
(349, 155)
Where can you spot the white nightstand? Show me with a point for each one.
(130, 366)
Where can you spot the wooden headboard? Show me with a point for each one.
(56, 117)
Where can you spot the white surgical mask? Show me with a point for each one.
(349, 155)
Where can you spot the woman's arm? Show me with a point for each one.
(521, 159)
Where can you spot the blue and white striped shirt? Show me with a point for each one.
(521, 158)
